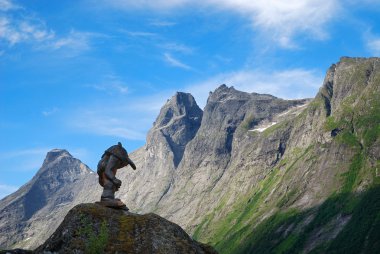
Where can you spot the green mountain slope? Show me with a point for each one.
(321, 196)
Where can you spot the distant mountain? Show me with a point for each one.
(31, 214)
(252, 172)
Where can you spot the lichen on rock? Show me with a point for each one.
(91, 228)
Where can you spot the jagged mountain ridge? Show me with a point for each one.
(231, 180)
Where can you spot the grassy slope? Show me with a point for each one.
(288, 230)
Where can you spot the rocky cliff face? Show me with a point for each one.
(304, 183)
(91, 228)
(257, 173)
(157, 162)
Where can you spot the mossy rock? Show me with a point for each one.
(91, 228)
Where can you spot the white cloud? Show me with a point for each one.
(111, 84)
(129, 118)
(287, 84)
(15, 31)
(28, 160)
(75, 40)
(5, 190)
(107, 124)
(24, 152)
(24, 160)
(6, 5)
(175, 62)
(373, 45)
(50, 112)
(18, 25)
(178, 47)
(280, 21)
(160, 5)
(162, 23)
(140, 33)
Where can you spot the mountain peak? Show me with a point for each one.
(179, 105)
(54, 154)
(223, 93)
(224, 88)
(177, 123)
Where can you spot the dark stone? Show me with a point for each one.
(113, 203)
(335, 132)
(15, 251)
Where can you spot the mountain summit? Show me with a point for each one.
(41, 200)
(178, 122)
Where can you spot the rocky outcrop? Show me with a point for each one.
(91, 228)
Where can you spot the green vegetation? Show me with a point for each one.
(227, 232)
(274, 128)
(360, 235)
(247, 122)
(95, 241)
(331, 124)
(352, 173)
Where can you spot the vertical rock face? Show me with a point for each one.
(36, 205)
(178, 122)
(176, 125)
(214, 149)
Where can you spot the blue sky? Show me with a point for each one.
(82, 75)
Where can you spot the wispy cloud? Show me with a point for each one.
(24, 160)
(278, 21)
(178, 47)
(6, 5)
(75, 40)
(24, 152)
(175, 62)
(15, 31)
(159, 5)
(107, 124)
(287, 84)
(111, 84)
(162, 23)
(140, 33)
(373, 45)
(19, 25)
(31, 159)
(282, 21)
(128, 118)
(50, 112)
(5, 190)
